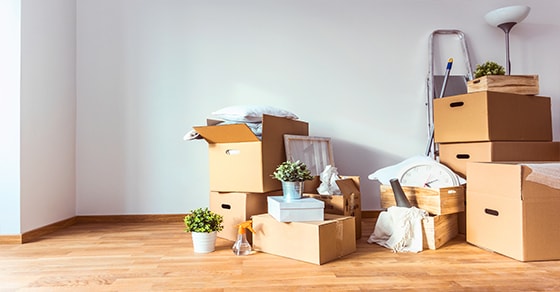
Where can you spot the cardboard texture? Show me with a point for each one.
(347, 204)
(316, 242)
(438, 230)
(437, 202)
(240, 162)
(492, 116)
(457, 155)
(237, 208)
(304, 209)
(510, 215)
(518, 84)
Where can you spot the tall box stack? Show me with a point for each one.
(493, 126)
(241, 164)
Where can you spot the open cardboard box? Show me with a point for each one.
(512, 214)
(240, 161)
(347, 204)
(442, 201)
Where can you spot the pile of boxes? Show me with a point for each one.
(241, 188)
(489, 137)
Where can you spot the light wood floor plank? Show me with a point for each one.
(158, 256)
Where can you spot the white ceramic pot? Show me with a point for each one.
(204, 242)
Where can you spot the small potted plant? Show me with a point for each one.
(292, 174)
(489, 68)
(204, 226)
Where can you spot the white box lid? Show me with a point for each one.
(303, 203)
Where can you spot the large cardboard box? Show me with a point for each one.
(492, 116)
(237, 208)
(240, 161)
(457, 155)
(347, 204)
(315, 242)
(442, 201)
(304, 209)
(513, 209)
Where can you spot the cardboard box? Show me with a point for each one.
(438, 230)
(509, 213)
(316, 242)
(518, 84)
(240, 161)
(304, 209)
(437, 202)
(347, 204)
(457, 155)
(492, 116)
(237, 208)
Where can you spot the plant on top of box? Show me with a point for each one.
(204, 225)
(292, 174)
(489, 68)
(292, 171)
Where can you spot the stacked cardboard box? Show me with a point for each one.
(489, 126)
(490, 137)
(241, 165)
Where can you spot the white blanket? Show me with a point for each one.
(399, 229)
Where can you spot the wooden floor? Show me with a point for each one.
(159, 257)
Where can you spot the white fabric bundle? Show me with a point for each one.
(399, 229)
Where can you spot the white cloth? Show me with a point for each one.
(399, 229)
(328, 185)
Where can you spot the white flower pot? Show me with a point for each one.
(204, 242)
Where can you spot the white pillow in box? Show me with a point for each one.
(251, 113)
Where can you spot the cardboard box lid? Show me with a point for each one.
(272, 129)
(303, 203)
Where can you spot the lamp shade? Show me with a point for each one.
(510, 14)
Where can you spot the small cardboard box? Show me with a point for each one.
(304, 209)
(438, 230)
(492, 116)
(437, 202)
(347, 204)
(315, 242)
(518, 84)
(237, 208)
(240, 161)
(457, 155)
(513, 209)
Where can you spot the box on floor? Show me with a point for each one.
(513, 209)
(347, 204)
(492, 116)
(315, 242)
(240, 161)
(237, 208)
(457, 155)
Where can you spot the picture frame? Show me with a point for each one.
(315, 152)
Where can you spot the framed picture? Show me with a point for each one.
(315, 152)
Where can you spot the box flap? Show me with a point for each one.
(226, 133)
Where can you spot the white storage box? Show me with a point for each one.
(304, 209)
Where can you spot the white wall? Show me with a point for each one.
(10, 13)
(48, 112)
(355, 70)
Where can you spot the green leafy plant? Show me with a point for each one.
(292, 171)
(489, 68)
(203, 220)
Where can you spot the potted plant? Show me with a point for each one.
(203, 225)
(489, 68)
(292, 174)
